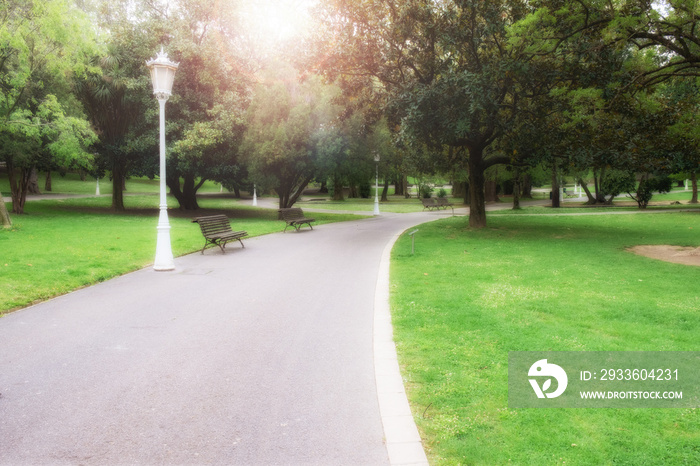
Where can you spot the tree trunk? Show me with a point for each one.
(117, 185)
(599, 194)
(694, 179)
(385, 191)
(516, 191)
(19, 180)
(186, 195)
(190, 191)
(33, 185)
(47, 183)
(300, 190)
(556, 202)
(338, 189)
(526, 186)
(398, 186)
(404, 184)
(4, 215)
(477, 204)
(584, 186)
(458, 188)
(289, 195)
(491, 191)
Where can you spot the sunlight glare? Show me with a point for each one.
(276, 21)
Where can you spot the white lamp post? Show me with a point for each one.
(376, 184)
(162, 75)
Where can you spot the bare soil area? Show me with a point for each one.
(676, 254)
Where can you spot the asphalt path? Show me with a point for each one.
(261, 356)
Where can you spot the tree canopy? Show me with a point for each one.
(458, 86)
(42, 45)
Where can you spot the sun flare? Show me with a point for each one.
(276, 21)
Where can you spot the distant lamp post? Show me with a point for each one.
(162, 75)
(376, 184)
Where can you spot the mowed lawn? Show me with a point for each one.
(61, 245)
(535, 283)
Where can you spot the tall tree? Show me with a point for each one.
(114, 96)
(683, 95)
(42, 45)
(279, 145)
(446, 66)
(210, 95)
(669, 30)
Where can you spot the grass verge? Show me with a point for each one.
(61, 245)
(468, 297)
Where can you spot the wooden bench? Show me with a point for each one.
(294, 217)
(429, 203)
(216, 230)
(444, 203)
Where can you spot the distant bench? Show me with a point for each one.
(216, 230)
(294, 217)
(443, 203)
(429, 203)
(437, 203)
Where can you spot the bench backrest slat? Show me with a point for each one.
(213, 225)
(292, 213)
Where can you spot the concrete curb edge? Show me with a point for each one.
(403, 441)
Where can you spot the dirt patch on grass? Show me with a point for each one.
(675, 254)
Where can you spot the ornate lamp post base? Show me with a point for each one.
(164, 254)
(376, 185)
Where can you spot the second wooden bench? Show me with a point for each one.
(294, 217)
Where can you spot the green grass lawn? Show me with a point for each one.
(71, 183)
(677, 195)
(468, 297)
(61, 245)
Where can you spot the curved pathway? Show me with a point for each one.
(264, 355)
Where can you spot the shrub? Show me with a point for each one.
(425, 191)
(648, 186)
(365, 190)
